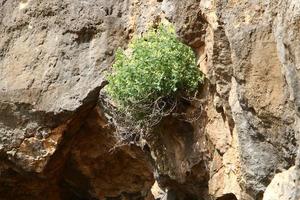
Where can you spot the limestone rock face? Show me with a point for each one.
(283, 186)
(254, 90)
(55, 139)
(52, 58)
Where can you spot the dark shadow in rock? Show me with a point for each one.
(229, 196)
(94, 169)
(75, 185)
(85, 35)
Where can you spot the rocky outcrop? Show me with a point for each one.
(56, 142)
(52, 59)
(283, 186)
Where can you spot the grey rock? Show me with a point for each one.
(53, 59)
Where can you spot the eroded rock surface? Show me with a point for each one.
(283, 186)
(55, 141)
(52, 58)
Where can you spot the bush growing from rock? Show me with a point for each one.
(151, 75)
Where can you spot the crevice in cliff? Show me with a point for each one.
(84, 35)
(91, 170)
(228, 197)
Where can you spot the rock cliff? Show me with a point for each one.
(55, 140)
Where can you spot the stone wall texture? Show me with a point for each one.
(55, 140)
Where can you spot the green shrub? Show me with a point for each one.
(156, 66)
